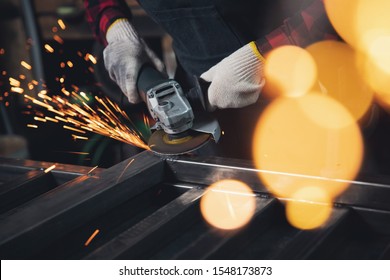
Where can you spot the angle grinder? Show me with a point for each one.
(182, 122)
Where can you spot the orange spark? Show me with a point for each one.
(17, 90)
(51, 119)
(69, 63)
(92, 58)
(58, 39)
(25, 65)
(47, 170)
(32, 126)
(90, 171)
(84, 95)
(61, 24)
(60, 119)
(2, 51)
(127, 166)
(91, 237)
(75, 137)
(39, 119)
(22, 77)
(14, 82)
(49, 48)
(74, 129)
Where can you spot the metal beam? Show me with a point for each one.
(27, 229)
(360, 193)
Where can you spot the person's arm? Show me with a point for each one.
(125, 51)
(237, 80)
(101, 14)
(307, 26)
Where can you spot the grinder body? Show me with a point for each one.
(178, 129)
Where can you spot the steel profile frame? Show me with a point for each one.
(81, 197)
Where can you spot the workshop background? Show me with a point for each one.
(53, 40)
(67, 193)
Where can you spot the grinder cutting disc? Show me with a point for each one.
(162, 143)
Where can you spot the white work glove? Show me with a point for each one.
(237, 80)
(124, 56)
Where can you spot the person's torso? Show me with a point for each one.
(206, 31)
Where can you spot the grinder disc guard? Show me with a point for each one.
(162, 143)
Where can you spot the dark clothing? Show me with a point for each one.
(206, 31)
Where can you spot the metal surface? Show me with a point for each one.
(147, 207)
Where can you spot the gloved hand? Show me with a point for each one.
(237, 80)
(124, 56)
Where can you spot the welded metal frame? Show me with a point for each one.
(82, 196)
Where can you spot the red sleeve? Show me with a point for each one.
(100, 14)
(308, 26)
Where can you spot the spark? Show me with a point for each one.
(22, 77)
(61, 24)
(62, 80)
(74, 129)
(32, 126)
(76, 153)
(84, 95)
(47, 170)
(64, 91)
(90, 171)
(17, 90)
(75, 137)
(51, 119)
(14, 82)
(91, 237)
(35, 82)
(58, 39)
(39, 119)
(61, 119)
(49, 48)
(104, 117)
(25, 65)
(127, 166)
(69, 63)
(91, 58)
(2, 51)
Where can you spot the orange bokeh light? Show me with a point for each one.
(365, 25)
(375, 68)
(307, 141)
(342, 14)
(339, 76)
(309, 208)
(228, 204)
(289, 71)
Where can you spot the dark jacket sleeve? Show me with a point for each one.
(304, 28)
